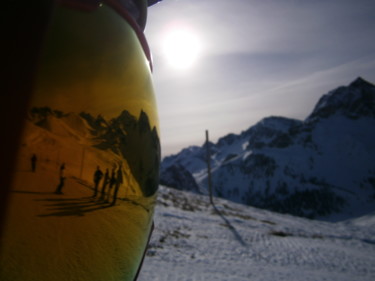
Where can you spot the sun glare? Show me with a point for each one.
(181, 47)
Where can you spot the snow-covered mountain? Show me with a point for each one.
(322, 166)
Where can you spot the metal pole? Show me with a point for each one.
(208, 159)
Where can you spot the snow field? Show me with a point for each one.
(194, 241)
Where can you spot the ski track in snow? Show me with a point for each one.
(194, 241)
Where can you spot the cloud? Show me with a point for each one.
(261, 58)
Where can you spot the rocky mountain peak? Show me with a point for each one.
(360, 82)
(353, 101)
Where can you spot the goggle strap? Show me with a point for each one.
(139, 32)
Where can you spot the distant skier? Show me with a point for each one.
(119, 181)
(105, 183)
(62, 179)
(33, 163)
(97, 177)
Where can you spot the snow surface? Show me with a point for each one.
(196, 241)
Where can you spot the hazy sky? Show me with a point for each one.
(257, 58)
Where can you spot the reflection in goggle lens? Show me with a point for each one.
(83, 193)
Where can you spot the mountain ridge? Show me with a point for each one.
(319, 167)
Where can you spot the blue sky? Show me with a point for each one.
(258, 58)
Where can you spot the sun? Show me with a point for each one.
(181, 47)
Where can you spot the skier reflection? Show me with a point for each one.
(33, 162)
(105, 183)
(119, 181)
(62, 179)
(112, 182)
(97, 177)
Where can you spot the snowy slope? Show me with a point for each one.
(194, 241)
(320, 167)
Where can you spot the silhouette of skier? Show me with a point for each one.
(112, 182)
(105, 183)
(97, 177)
(33, 162)
(119, 181)
(62, 179)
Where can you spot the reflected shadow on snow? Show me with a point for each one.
(79, 206)
(230, 226)
(30, 192)
(73, 206)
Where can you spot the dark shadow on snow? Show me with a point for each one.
(30, 192)
(230, 226)
(73, 206)
(79, 206)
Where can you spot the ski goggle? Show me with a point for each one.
(85, 176)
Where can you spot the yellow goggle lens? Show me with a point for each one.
(84, 189)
